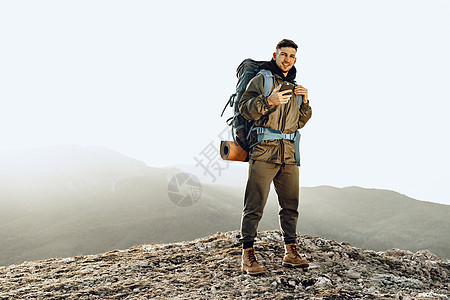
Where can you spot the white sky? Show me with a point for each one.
(150, 78)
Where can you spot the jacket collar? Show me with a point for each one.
(272, 66)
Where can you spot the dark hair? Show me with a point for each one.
(286, 43)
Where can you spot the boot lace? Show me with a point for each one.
(294, 250)
(251, 255)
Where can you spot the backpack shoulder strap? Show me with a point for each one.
(269, 81)
(299, 100)
(299, 97)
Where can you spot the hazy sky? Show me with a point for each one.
(150, 78)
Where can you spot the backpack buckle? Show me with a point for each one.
(260, 130)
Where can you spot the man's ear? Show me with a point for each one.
(275, 56)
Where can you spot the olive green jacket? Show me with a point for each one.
(286, 118)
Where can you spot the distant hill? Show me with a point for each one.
(70, 200)
(376, 219)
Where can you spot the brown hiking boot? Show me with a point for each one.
(250, 264)
(292, 257)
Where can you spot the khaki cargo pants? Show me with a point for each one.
(286, 182)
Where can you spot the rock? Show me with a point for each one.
(322, 281)
(209, 268)
(352, 274)
(389, 279)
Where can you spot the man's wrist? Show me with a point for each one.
(265, 101)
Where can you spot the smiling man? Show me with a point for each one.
(274, 160)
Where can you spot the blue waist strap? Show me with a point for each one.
(272, 134)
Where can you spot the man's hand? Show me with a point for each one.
(300, 90)
(277, 97)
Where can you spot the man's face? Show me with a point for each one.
(285, 58)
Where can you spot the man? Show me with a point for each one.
(274, 160)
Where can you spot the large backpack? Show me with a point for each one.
(241, 128)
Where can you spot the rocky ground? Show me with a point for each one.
(209, 268)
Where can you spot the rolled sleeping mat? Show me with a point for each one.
(229, 151)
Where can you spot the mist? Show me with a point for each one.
(70, 200)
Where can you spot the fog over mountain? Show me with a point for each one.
(71, 200)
